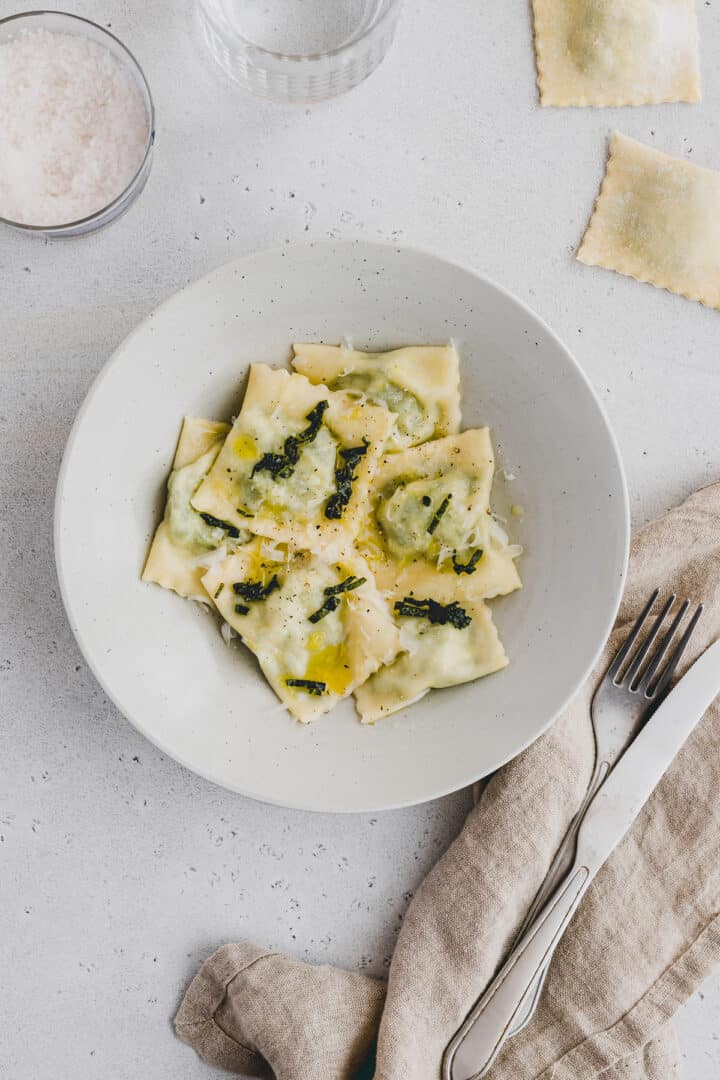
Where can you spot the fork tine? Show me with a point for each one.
(637, 661)
(662, 649)
(632, 637)
(661, 685)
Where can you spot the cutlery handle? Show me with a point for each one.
(565, 855)
(474, 1048)
(560, 867)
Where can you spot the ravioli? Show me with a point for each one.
(616, 52)
(184, 539)
(419, 384)
(317, 628)
(429, 507)
(446, 638)
(658, 220)
(297, 463)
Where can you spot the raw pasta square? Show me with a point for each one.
(616, 52)
(318, 629)
(657, 219)
(429, 508)
(297, 462)
(183, 540)
(420, 384)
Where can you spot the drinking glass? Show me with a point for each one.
(298, 50)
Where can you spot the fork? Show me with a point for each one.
(631, 690)
(624, 701)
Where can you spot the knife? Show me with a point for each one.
(473, 1049)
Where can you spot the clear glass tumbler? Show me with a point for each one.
(298, 50)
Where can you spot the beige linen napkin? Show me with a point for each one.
(645, 936)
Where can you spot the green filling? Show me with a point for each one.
(413, 421)
(437, 614)
(282, 466)
(409, 530)
(344, 477)
(301, 496)
(606, 38)
(188, 527)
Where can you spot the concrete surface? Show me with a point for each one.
(119, 871)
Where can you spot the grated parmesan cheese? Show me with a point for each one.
(207, 559)
(73, 128)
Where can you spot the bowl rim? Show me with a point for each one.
(392, 10)
(473, 777)
(134, 64)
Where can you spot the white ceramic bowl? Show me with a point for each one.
(161, 659)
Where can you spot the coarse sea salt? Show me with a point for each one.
(73, 128)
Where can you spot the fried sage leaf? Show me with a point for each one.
(311, 685)
(332, 592)
(344, 476)
(282, 466)
(437, 516)
(437, 614)
(470, 566)
(215, 523)
(255, 590)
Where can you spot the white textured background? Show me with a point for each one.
(119, 871)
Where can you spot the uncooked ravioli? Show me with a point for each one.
(658, 220)
(616, 52)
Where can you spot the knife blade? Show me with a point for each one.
(611, 814)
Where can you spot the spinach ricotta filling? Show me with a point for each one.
(430, 516)
(188, 526)
(413, 418)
